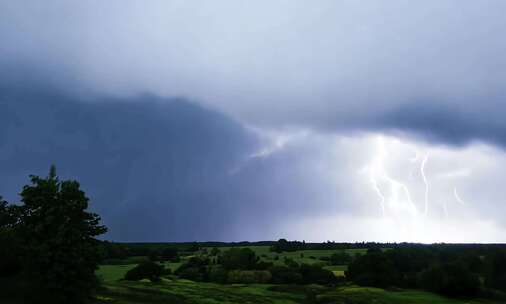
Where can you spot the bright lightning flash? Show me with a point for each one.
(399, 198)
(394, 194)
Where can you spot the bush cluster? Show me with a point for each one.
(146, 270)
(241, 265)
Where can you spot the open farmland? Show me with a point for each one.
(172, 289)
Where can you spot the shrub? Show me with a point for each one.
(153, 256)
(285, 275)
(249, 276)
(146, 270)
(262, 265)
(194, 269)
(192, 273)
(290, 263)
(170, 254)
(218, 274)
(239, 258)
(166, 271)
(316, 274)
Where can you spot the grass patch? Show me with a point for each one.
(112, 273)
(355, 294)
(184, 291)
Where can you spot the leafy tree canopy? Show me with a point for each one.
(58, 233)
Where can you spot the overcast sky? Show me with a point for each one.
(342, 120)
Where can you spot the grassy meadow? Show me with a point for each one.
(185, 291)
(174, 290)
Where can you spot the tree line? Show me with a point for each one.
(446, 270)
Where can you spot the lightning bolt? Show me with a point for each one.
(399, 179)
(457, 197)
(374, 168)
(380, 194)
(377, 171)
(445, 209)
(396, 185)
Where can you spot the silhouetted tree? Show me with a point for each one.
(61, 252)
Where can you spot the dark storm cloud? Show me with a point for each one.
(431, 120)
(156, 169)
(447, 124)
(338, 65)
(152, 169)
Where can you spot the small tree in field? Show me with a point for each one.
(59, 235)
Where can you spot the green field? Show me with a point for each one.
(337, 270)
(110, 273)
(184, 291)
(173, 290)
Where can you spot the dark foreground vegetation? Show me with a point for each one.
(49, 254)
(48, 250)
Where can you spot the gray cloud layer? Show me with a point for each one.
(342, 65)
